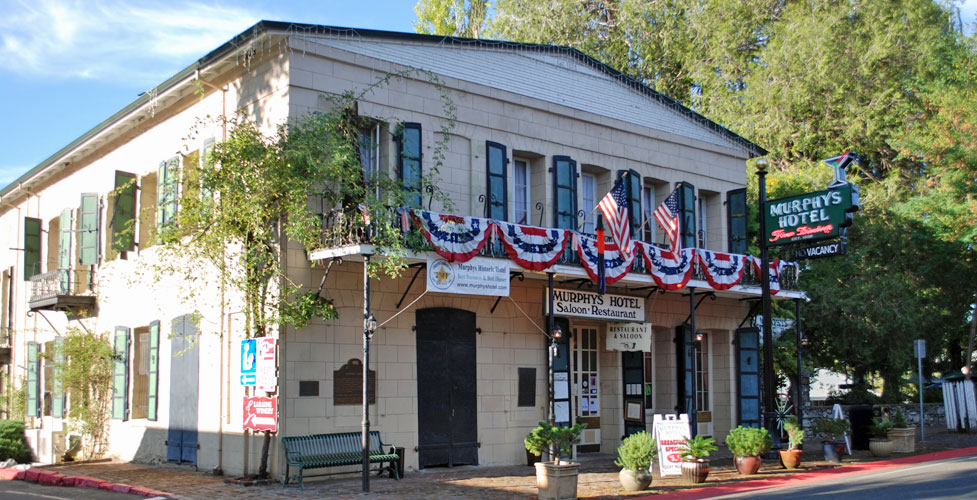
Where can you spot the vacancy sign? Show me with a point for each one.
(261, 414)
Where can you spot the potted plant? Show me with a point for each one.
(695, 464)
(903, 437)
(556, 479)
(635, 455)
(880, 445)
(832, 430)
(791, 457)
(747, 444)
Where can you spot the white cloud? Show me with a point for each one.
(64, 39)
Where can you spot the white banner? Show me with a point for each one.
(593, 305)
(777, 325)
(671, 434)
(478, 276)
(629, 337)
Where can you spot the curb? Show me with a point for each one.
(808, 477)
(57, 479)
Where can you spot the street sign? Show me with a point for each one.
(265, 366)
(807, 217)
(261, 414)
(249, 353)
(830, 249)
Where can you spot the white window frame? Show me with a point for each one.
(521, 189)
(703, 229)
(588, 200)
(648, 207)
(591, 371)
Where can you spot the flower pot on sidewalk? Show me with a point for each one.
(903, 439)
(695, 471)
(880, 447)
(557, 481)
(791, 458)
(747, 465)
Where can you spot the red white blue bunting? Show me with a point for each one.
(531, 247)
(616, 266)
(454, 237)
(671, 272)
(722, 270)
(776, 266)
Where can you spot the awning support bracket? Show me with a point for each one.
(710, 295)
(521, 277)
(417, 271)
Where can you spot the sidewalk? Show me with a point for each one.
(598, 478)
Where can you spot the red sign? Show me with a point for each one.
(261, 414)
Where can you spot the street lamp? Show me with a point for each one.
(768, 375)
(369, 327)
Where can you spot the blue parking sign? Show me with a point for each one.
(249, 355)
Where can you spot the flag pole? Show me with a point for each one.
(584, 223)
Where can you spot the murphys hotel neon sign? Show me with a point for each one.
(807, 217)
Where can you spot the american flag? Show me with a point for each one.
(667, 215)
(614, 206)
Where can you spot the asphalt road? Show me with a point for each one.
(23, 490)
(943, 479)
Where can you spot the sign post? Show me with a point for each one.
(920, 348)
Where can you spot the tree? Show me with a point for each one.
(257, 192)
(83, 368)
(455, 17)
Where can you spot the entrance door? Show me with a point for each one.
(181, 438)
(634, 390)
(446, 396)
(586, 383)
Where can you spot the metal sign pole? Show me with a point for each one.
(920, 348)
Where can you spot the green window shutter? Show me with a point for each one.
(120, 373)
(122, 222)
(57, 393)
(153, 385)
(88, 225)
(167, 190)
(206, 193)
(686, 208)
(565, 192)
(64, 250)
(496, 183)
(33, 379)
(32, 247)
(736, 221)
(632, 184)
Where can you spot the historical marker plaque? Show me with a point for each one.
(347, 384)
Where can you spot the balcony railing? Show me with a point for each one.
(345, 229)
(61, 289)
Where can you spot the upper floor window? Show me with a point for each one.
(409, 160)
(88, 227)
(167, 190)
(686, 208)
(32, 247)
(702, 222)
(496, 182)
(565, 192)
(368, 146)
(123, 213)
(736, 220)
(521, 194)
(588, 200)
(647, 209)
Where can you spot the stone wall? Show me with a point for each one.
(935, 413)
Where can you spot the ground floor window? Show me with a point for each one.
(702, 375)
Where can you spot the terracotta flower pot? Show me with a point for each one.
(747, 465)
(791, 458)
(880, 447)
(632, 482)
(697, 471)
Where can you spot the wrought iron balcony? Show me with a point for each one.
(61, 290)
(345, 229)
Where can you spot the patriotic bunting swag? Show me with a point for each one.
(671, 272)
(776, 266)
(454, 237)
(616, 266)
(533, 248)
(722, 270)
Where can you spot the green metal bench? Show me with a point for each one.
(334, 450)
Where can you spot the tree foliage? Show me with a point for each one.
(83, 368)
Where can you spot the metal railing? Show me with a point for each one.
(50, 284)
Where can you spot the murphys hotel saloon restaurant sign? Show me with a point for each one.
(580, 304)
(807, 217)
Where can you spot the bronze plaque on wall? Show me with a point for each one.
(347, 384)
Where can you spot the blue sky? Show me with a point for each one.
(66, 65)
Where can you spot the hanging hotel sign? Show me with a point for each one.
(629, 337)
(478, 276)
(807, 217)
(822, 250)
(583, 304)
